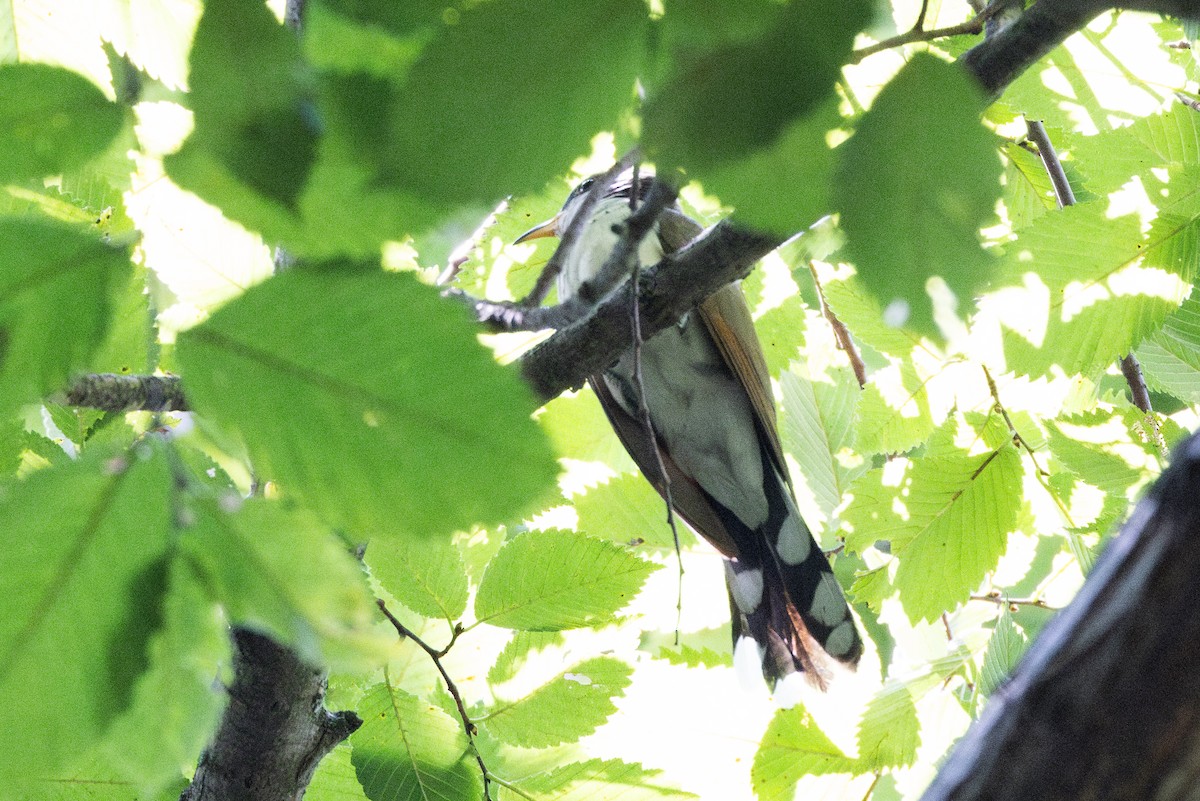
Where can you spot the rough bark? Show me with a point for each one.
(274, 731)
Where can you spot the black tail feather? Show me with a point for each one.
(792, 607)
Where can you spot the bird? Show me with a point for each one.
(705, 383)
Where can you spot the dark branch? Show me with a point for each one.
(1130, 368)
(124, 393)
(274, 731)
(1050, 161)
(1106, 704)
(999, 60)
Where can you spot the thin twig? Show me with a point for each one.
(871, 789)
(918, 33)
(451, 688)
(643, 409)
(1012, 429)
(1130, 367)
(920, 23)
(840, 332)
(1012, 603)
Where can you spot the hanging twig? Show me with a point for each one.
(1013, 603)
(643, 409)
(842, 334)
(451, 687)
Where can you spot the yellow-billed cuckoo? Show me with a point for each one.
(709, 396)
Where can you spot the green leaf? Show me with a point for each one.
(279, 571)
(410, 750)
(691, 657)
(726, 101)
(1028, 191)
(817, 425)
(551, 580)
(859, 310)
(1104, 470)
(55, 289)
(1004, 651)
(595, 780)
(368, 396)
(948, 523)
(93, 778)
(578, 429)
(335, 778)
(792, 747)
(873, 586)
(248, 93)
(84, 549)
(1166, 371)
(378, 39)
(512, 74)
(52, 120)
(783, 187)
(1082, 295)
(891, 418)
(427, 575)
(132, 343)
(1170, 357)
(628, 510)
(517, 651)
(914, 147)
(889, 733)
(154, 37)
(573, 704)
(494, 261)
(963, 530)
(1112, 158)
(175, 703)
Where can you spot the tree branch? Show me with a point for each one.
(1106, 703)
(669, 290)
(999, 60)
(274, 731)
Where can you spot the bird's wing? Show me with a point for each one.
(687, 498)
(728, 321)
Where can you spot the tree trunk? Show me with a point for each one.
(1106, 704)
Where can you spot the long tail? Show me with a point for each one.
(784, 595)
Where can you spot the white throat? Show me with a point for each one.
(596, 242)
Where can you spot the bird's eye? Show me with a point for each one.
(586, 185)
